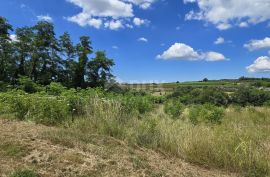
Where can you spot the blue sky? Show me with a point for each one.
(162, 40)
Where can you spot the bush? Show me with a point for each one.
(174, 108)
(27, 85)
(246, 96)
(206, 113)
(55, 89)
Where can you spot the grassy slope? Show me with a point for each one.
(56, 152)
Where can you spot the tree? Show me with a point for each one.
(39, 56)
(24, 48)
(100, 69)
(205, 80)
(83, 49)
(45, 59)
(68, 52)
(6, 61)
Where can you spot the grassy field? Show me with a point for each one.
(106, 133)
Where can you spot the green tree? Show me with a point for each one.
(45, 59)
(7, 63)
(68, 54)
(84, 48)
(99, 69)
(24, 47)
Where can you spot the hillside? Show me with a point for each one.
(45, 151)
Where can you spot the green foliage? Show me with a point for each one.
(55, 89)
(174, 108)
(206, 113)
(246, 96)
(24, 173)
(39, 56)
(27, 85)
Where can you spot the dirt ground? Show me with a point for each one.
(24, 146)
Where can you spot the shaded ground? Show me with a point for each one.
(39, 148)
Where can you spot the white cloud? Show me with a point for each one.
(258, 44)
(142, 39)
(114, 25)
(219, 40)
(113, 14)
(144, 4)
(214, 56)
(95, 22)
(115, 47)
(261, 64)
(13, 38)
(227, 13)
(243, 25)
(139, 22)
(181, 51)
(45, 18)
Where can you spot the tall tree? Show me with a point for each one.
(68, 52)
(45, 59)
(99, 69)
(24, 48)
(6, 60)
(84, 48)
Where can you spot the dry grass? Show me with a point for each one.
(239, 144)
(50, 155)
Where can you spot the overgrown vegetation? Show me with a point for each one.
(51, 81)
(231, 137)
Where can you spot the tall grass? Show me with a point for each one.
(239, 144)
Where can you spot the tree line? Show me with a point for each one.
(38, 54)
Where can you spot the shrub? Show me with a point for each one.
(55, 89)
(206, 113)
(246, 96)
(27, 85)
(174, 108)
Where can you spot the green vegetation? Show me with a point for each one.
(230, 137)
(24, 173)
(37, 58)
(216, 124)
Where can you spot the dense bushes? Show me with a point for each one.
(243, 96)
(57, 104)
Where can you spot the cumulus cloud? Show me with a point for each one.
(181, 51)
(45, 18)
(258, 44)
(261, 64)
(214, 56)
(227, 13)
(219, 40)
(142, 39)
(114, 24)
(112, 14)
(144, 4)
(139, 22)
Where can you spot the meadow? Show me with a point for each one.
(203, 126)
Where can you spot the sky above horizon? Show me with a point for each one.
(162, 40)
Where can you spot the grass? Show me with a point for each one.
(12, 149)
(24, 173)
(239, 144)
